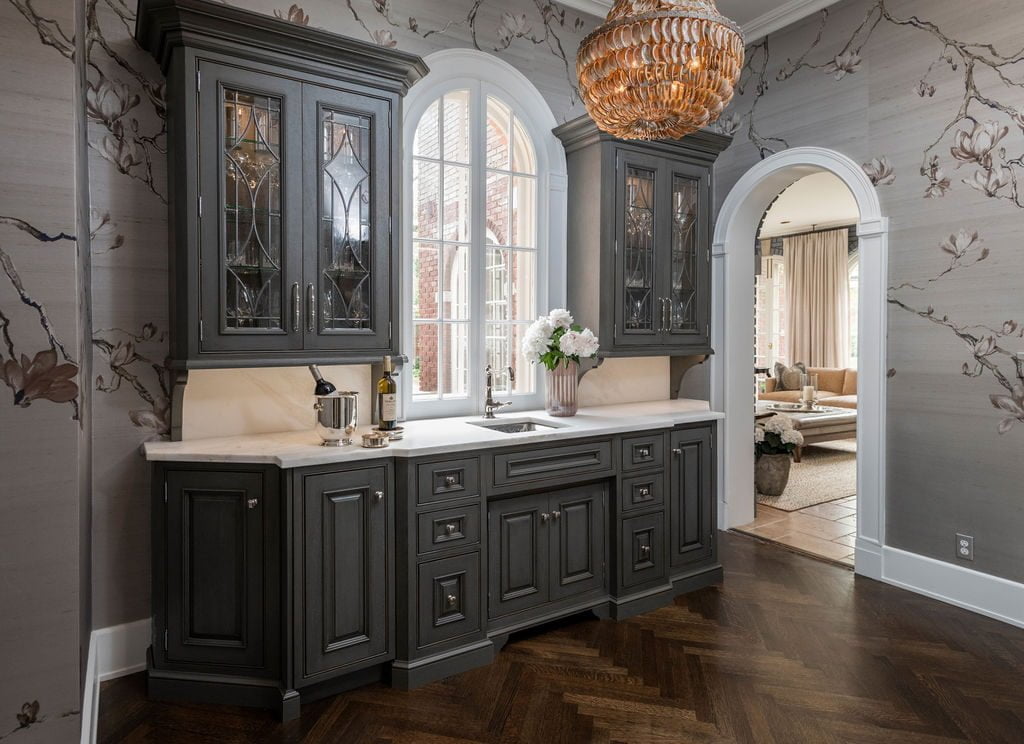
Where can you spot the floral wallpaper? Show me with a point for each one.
(929, 96)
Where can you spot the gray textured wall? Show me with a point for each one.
(911, 89)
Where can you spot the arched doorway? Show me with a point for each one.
(735, 232)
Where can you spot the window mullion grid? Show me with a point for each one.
(478, 251)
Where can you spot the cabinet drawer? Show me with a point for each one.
(551, 463)
(449, 599)
(643, 550)
(646, 452)
(642, 491)
(448, 528)
(451, 479)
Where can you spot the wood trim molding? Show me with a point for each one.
(784, 15)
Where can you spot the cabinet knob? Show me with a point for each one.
(450, 480)
(645, 551)
(449, 601)
(644, 452)
(645, 491)
(252, 503)
(677, 451)
(544, 516)
(379, 495)
(556, 514)
(450, 528)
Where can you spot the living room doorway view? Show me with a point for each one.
(806, 274)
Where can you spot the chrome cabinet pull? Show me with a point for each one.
(252, 503)
(311, 307)
(450, 480)
(296, 306)
(677, 451)
(645, 551)
(544, 516)
(644, 452)
(449, 601)
(645, 491)
(556, 514)
(379, 495)
(450, 528)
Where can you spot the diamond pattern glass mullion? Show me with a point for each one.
(345, 250)
(683, 276)
(251, 157)
(638, 250)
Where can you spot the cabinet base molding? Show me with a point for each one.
(251, 692)
(620, 608)
(699, 578)
(408, 675)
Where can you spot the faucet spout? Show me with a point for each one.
(491, 405)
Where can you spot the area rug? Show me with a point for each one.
(828, 471)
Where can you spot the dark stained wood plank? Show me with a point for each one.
(787, 650)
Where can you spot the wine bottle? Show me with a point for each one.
(323, 387)
(387, 399)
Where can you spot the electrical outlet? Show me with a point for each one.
(964, 547)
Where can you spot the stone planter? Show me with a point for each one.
(771, 474)
(563, 382)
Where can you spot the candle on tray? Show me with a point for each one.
(808, 394)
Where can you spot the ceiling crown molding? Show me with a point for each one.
(788, 13)
(775, 19)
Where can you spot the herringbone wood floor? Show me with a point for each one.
(788, 650)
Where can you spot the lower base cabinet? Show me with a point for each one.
(273, 587)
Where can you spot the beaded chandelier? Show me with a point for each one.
(659, 69)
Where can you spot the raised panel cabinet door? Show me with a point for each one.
(215, 568)
(577, 554)
(518, 530)
(343, 589)
(690, 496)
(347, 235)
(638, 306)
(250, 186)
(685, 263)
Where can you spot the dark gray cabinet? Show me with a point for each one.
(691, 503)
(640, 217)
(216, 570)
(344, 570)
(546, 547)
(283, 179)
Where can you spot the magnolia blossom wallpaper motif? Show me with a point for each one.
(969, 147)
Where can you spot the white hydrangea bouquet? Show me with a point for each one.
(556, 338)
(776, 436)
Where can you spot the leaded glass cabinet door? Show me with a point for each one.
(637, 234)
(347, 290)
(250, 214)
(687, 260)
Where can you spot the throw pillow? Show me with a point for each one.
(788, 378)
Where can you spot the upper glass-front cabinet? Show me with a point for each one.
(283, 162)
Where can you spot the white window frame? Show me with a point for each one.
(490, 76)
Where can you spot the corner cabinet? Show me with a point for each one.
(283, 179)
(640, 216)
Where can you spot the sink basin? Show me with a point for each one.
(515, 427)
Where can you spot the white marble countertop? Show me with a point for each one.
(293, 449)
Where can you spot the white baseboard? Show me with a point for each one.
(113, 652)
(987, 595)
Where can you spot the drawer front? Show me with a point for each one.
(449, 598)
(642, 491)
(645, 452)
(551, 463)
(643, 550)
(451, 479)
(448, 528)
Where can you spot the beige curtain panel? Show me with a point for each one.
(817, 298)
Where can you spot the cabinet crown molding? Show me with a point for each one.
(582, 131)
(164, 25)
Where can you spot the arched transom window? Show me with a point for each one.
(475, 249)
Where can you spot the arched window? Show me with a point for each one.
(478, 195)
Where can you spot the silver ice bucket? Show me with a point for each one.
(336, 417)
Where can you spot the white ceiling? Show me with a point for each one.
(819, 200)
(757, 17)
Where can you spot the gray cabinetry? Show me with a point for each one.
(640, 217)
(283, 178)
(343, 570)
(692, 505)
(546, 547)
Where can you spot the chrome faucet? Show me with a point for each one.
(491, 405)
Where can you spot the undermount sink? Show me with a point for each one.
(520, 426)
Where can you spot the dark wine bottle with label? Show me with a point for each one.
(387, 399)
(323, 387)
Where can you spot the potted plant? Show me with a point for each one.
(558, 342)
(774, 443)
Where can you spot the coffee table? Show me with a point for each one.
(824, 424)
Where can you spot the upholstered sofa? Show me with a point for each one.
(836, 387)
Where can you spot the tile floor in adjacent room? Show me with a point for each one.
(823, 530)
